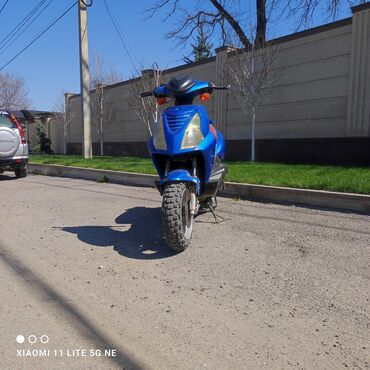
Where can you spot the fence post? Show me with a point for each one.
(221, 97)
(358, 107)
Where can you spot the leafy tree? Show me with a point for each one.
(202, 49)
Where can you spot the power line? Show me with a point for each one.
(17, 31)
(89, 4)
(114, 22)
(22, 22)
(15, 37)
(2, 8)
(37, 37)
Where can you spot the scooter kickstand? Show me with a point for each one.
(215, 216)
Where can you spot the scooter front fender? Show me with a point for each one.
(181, 176)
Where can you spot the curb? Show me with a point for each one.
(274, 194)
(115, 177)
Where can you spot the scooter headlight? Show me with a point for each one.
(193, 134)
(159, 139)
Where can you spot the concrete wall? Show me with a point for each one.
(318, 111)
(30, 134)
(127, 127)
(310, 98)
(54, 128)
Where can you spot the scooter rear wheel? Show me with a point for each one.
(177, 218)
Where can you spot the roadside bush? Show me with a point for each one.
(43, 142)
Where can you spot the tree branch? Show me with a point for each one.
(233, 23)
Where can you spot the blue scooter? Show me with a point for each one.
(187, 151)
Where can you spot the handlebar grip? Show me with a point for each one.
(146, 94)
(222, 87)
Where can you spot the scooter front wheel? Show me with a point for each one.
(177, 218)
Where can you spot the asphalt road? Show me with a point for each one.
(84, 268)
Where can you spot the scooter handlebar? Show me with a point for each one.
(221, 87)
(146, 94)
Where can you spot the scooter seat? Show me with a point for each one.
(180, 84)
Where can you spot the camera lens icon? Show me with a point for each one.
(44, 339)
(20, 339)
(32, 339)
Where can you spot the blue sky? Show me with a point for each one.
(51, 65)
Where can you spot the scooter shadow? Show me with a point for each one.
(141, 237)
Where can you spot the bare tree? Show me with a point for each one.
(146, 109)
(13, 92)
(226, 18)
(304, 11)
(105, 113)
(249, 72)
(65, 114)
(103, 110)
(101, 73)
(215, 16)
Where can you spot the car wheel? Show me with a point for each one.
(20, 172)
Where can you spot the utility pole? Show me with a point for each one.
(85, 78)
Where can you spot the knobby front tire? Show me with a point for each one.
(177, 220)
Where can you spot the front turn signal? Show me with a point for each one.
(205, 96)
(161, 101)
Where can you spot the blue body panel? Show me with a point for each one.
(220, 146)
(183, 176)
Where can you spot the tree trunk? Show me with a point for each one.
(261, 23)
(65, 133)
(253, 145)
(101, 122)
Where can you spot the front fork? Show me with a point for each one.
(193, 203)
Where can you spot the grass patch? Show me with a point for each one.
(319, 177)
(127, 164)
